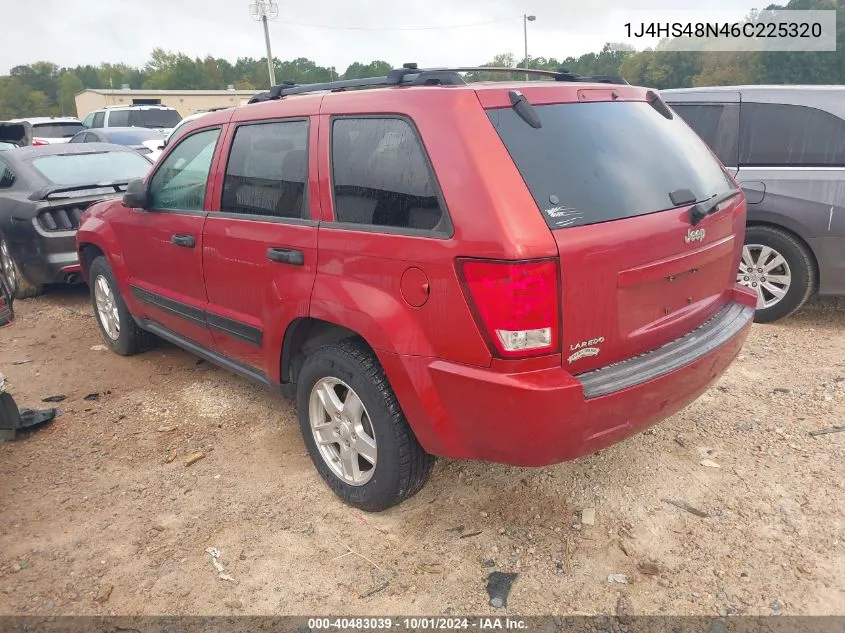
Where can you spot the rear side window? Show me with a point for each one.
(268, 170)
(603, 161)
(119, 118)
(718, 126)
(775, 135)
(154, 118)
(381, 176)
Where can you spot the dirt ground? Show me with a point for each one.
(100, 514)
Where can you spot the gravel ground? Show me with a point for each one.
(100, 513)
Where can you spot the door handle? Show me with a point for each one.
(187, 241)
(286, 256)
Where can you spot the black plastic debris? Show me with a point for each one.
(14, 420)
(58, 398)
(92, 397)
(499, 587)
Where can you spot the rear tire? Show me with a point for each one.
(117, 327)
(798, 267)
(401, 466)
(20, 287)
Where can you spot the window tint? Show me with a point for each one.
(180, 182)
(717, 124)
(381, 176)
(55, 130)
(267, 170)
(601, 161)
(775, 134)
(154, 118)
(99, 117)
(119, 118)
(89, 120)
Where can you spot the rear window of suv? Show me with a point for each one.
(56, 130)
(154, 118)
(603, 161)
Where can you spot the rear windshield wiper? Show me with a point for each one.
(701, 208)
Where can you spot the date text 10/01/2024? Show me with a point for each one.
(724, 30)
(418, 624)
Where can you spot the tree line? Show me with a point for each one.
(46, 89)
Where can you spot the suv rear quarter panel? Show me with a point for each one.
(359, 269)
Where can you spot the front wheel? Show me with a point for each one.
(118, 328)
(355, 431)
(779, 269)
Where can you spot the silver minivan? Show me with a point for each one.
(786, 147)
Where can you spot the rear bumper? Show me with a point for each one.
(549, 416)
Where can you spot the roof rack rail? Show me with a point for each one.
(411, 75)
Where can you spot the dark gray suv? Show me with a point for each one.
(786, 147)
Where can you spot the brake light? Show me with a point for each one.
(38, 141)
(517, 304)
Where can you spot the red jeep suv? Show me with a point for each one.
(513, 272)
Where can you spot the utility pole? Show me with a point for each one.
(264, 11)
(525, 20)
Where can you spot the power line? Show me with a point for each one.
(398, 28)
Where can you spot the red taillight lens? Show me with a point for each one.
(38, 141)
(517, 304)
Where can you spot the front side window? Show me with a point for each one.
(180, 183)
(381, 176)
(99, 119)
(774, 134)
(89, 120)
(267, 170)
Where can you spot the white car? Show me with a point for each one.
(50, 130)
(157, 152)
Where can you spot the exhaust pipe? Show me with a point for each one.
(73, 279)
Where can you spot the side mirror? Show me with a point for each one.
(136, 195)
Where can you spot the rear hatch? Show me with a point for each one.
(615, 178)
(56, 131)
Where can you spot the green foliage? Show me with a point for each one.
(44, 89)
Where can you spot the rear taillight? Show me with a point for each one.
(517, 304)
(38, 141)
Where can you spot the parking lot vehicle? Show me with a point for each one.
(786, 147)
(140, 139)
(43, 192)
(159, 149)
(154, 117)
(513, 272)
(15, 134)
(51, 130)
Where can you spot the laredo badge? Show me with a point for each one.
(585, 349)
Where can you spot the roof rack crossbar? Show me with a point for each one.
(410, 75)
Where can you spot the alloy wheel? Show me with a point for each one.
(342, 431)
(106, 307)
(7, 266)
(766, 272)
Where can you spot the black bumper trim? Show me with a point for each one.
(711, 335)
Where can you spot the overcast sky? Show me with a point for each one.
(93, 31)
